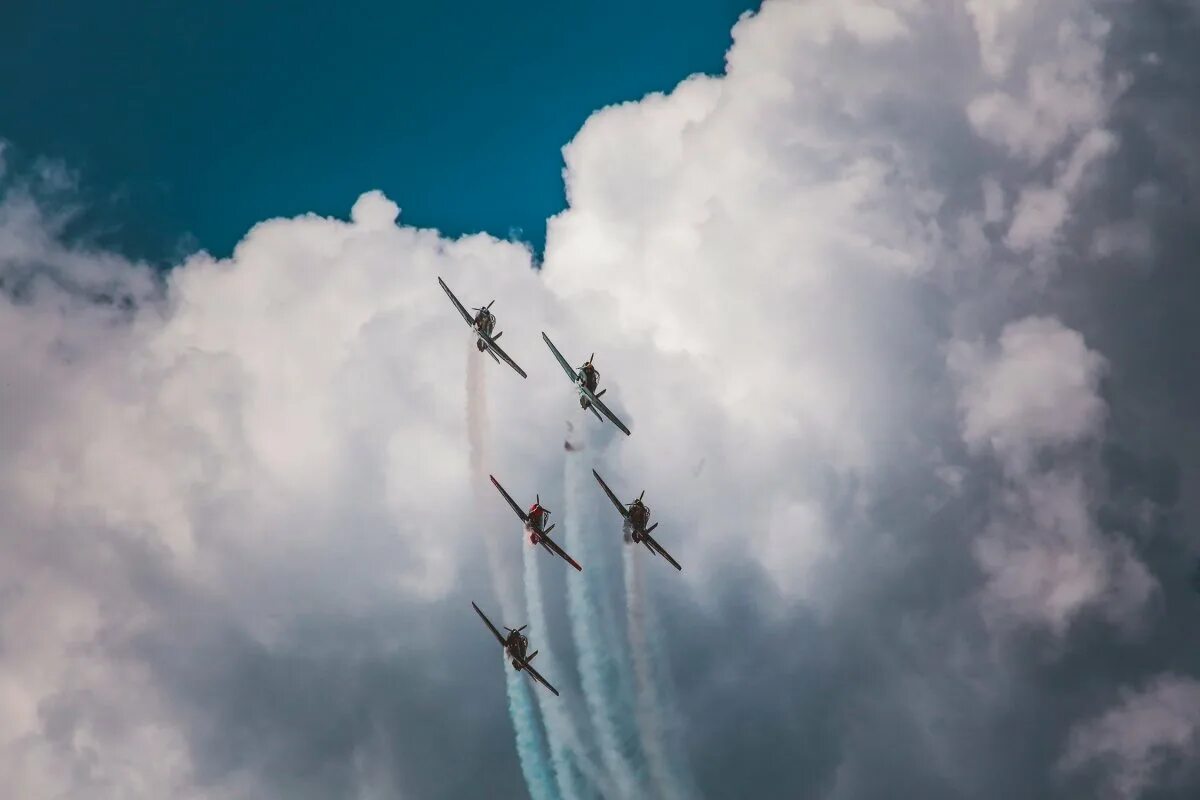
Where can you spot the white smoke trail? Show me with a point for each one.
(531, 745)
(652, 706)
(646, 709)
(573, 764)
(669, 718)
(603, 670)
(477, 437)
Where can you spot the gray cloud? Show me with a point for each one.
(1151, 736)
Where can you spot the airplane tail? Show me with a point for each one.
(551, 528)
(497, 336)
(530, 657)
(652, 527)
(600, 393)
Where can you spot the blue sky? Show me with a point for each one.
(204, 118)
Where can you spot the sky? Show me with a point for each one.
(895, 300)
(188, 123)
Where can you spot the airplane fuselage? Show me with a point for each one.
(485, 322)
(536, 523)
(516, 646)
(637, 522)
(587, 381)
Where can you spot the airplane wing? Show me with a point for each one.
(537, 676)
(658, 548)
(524, 517)
(571, 373)
(488, 622)
(495, 348)
(559, 551)
(604, 409)
(470, 320)
(624, 511)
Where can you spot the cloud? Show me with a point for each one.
(1033, 401)
(1058, 94)
(850, 277)
(234, 440)
(1039, 388)
(1148, 738)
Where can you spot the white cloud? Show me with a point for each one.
(1059, 95)
(1032, 401)
(1042, 210)
(1047, 561)
(758, 261)
(286, 428)
(1149, 738)
(1038, 388)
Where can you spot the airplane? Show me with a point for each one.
(482, 323)
(535, 521)
(636, 515)
(586, 380)
(516, 646)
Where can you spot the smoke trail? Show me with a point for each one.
(647, 695)
(531, 745)
(603, 670)
(669, 717)
(652, 707)
(573, 764)
(477, 437)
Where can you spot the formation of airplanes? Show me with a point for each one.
(635, 514)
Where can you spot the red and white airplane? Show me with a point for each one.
(535, 525)
(516, 646)
(637, 515)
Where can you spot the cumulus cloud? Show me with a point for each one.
(236, 498)
(1058, 93)
(1033, 401)
(1038, 388)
